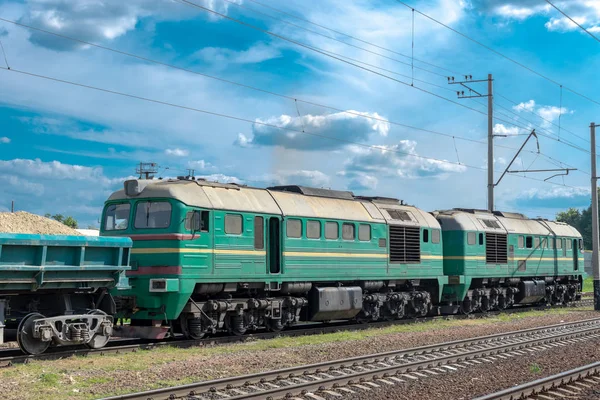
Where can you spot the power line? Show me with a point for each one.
(347, 35)
(344, 60)
(325, 53)
(540, 116)
(146, 59)
(330, 37)
(573, 21)
(253, 122)
(500, 54)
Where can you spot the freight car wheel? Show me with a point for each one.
(27, 342)
(274, 325)
(99, 340)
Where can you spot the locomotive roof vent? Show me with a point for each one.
(510, 215)
(380, 199)
(318, 192)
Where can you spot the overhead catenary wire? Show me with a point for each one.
(575, 22)
(246, 86)
(500, 54)
(4, 54)
(323, 52)
(239, 5)
(344, 60)
(350, 36)
(242, 119)
(349, 44)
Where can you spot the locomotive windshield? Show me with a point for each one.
(150, 214)
(116, 217)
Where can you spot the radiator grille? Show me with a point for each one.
(405, 244)
(495, 248)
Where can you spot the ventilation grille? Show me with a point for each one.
(495, 248)
(399, 215)
(405, 244)
(491, 223)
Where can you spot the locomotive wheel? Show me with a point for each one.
(25, 339)
(274, 325)
(466, 307)
(99, 340)
(185, 329)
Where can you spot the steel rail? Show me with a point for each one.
(547, 384)
(9, 357)
(355, 370)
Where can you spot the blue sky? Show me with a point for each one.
(64, 149)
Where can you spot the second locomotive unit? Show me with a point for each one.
(211, 257)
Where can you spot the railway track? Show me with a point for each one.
(341, 377)
(9, 357)
(568, 384)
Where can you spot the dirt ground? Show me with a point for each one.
(24, 222)
(100, 376)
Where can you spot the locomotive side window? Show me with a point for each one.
(117, 217)
(435, 236)
(481, 239)
(529, 242)
(569, 244)
(425, 235)
(233, 224)
(521, 242)
(536, 242)
(152, 215)
(294, 228)
(544, 244)
(348, 231)
(332, 230)
(364, 232)
(259, 233)
(559, 243)
(313, 229)
(471, 238)
(580, 244)
(198, 220)
(551, 243)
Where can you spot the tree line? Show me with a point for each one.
(580, 220)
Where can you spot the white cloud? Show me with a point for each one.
(526, 106)
(549, 114)
(177, 152)
(50, 170)
(101, 20)
(344, 126)
(222, 178)
(312, 178)
(201, 166)
(255, 54)
(4, 140)
(554, 197)
(501, 129)
(585, 12)
(399, 160)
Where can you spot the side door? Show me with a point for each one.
(274, 249)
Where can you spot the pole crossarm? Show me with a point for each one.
(517, 154)
(542, 170)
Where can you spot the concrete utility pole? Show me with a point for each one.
(490, 163)
(595, 265)
(472, 93)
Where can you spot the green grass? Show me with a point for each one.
(588, 284)
(535, 368)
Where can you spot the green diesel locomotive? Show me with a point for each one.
(211, 257)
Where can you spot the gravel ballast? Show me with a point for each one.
(87, 378)
(487, 378)
(24, 222)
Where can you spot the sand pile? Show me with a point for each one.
(24, 222)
